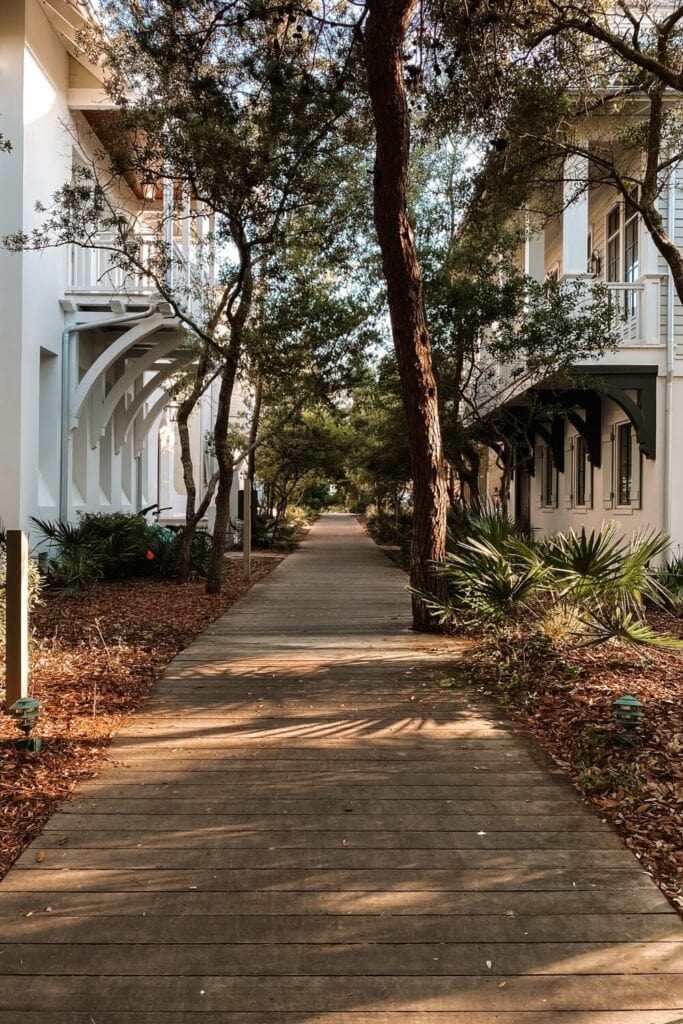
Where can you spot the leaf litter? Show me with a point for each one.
(94, 658)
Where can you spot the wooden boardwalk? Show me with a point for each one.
(303, 828)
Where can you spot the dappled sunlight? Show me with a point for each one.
(326, 830)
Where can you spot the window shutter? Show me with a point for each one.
(539, 459)
(589, 484)
(556, 483)
(608, 470)
(569, 474)
(636, 458)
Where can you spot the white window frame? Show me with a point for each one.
(617, 236)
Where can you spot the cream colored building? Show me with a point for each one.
(616, 451)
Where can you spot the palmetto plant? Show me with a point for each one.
(599, 567)
(599, 583)
(496, 581)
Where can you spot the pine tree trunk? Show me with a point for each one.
(384, 44)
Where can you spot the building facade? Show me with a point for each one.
(608, 447)
(86, 353)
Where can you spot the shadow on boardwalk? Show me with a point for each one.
(304, 828)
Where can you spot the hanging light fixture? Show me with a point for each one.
(594, 263)
(149, 189)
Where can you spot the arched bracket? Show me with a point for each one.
(103, 411)
(125, 420)
(647, 438)
(151, 418)
(554, 438)
(588, 425)
(614, 381)
(109, 356)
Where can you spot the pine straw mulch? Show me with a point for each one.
(565, 702)
(94, 659)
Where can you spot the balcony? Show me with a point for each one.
(94, 278)
(634, 307)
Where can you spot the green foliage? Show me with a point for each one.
(599, 568)
(120, 541)
(274, 534)
(586, 588)
(377, 460)
(670, 576)
(495, 581)
(486, 523)
(165, 545)
(117, 545)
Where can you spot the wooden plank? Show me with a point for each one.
(342, 928)
(360, 960)
(430, 904)
(207, 993)
(366, 1017)
(352, 1017)
(342, 857)
(403, 777)
(520, 879)
(316, 806)
(115, 818)
(210, 838)
(307, 789)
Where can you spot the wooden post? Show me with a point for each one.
(16, 647)
(246, 532)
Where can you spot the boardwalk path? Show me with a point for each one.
(303, 828)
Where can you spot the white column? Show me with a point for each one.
(168, 225)
(185, 233)
(575, 216)
(14, 358)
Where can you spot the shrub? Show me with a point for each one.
(670, 577)
(588, 587)
(120, 539)
(488, 523)
(165, 545)
(116, 545)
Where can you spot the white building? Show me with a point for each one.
(615, 452)
(85, 354)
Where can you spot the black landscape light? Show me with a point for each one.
(26, 711)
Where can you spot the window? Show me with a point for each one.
(624, 464)
(580, 469)
(548, 478)
(614, 244)
(631, 261)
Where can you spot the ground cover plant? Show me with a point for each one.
(95, 654)
(563, 628)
